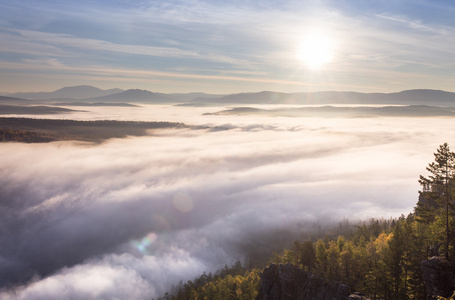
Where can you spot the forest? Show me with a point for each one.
(30, 130)
(380, 258)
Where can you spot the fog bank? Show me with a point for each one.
(129, 217)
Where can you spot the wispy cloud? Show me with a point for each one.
(207, 38)
(27, 40)
(414, 24)
(55, 65)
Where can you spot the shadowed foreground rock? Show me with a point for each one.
(287, 282)
(439, 277)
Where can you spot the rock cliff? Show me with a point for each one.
(439, 277)
(287, 282)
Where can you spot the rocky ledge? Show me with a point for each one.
(439, 277)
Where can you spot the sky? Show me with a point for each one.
(127, 218)
(227, 46)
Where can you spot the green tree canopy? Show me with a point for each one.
(435, 198)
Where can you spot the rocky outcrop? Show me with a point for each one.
(439, 277)
(287, 282)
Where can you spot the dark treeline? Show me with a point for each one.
(46, 130)
(51, 123)
(9, 135)
(235, 282)
(381, 258)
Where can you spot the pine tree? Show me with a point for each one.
(308, 255)
(394, 260)
(437, 187)
(321, 259)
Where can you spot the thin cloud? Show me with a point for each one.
(98, 45)
(52, 65)
(413, 24)
(258, 41)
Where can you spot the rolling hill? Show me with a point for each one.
(409, 97)
(86, 93)
(135, 95)
(72, 92)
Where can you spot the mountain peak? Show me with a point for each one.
(78, 87)
(137, 95)
(139, 91)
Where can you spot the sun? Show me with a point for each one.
(316, 50)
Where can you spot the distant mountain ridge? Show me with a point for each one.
(328, 111)
(72, 92)
(14, 101)
(144, 96)
(92, 94)
(135, 95)
(409, 97)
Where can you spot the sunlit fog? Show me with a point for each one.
(151, 211)
(145, 145)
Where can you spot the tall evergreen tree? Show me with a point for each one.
(436, 187)
(308, 255)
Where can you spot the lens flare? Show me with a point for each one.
(143, 244)
(183, 202)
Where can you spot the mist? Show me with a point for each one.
(128, 218)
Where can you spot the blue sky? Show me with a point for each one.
(226, 46)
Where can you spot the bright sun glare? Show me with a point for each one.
(316, 50)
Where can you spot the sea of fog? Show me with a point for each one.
(127, 218)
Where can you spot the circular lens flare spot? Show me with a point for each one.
(182, 202)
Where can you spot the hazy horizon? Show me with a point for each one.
(198, 91)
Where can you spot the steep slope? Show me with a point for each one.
(287, 282)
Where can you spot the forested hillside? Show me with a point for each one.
(381, 258)
(47, 130)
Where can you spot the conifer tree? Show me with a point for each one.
(437, 186)
(308, 255)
